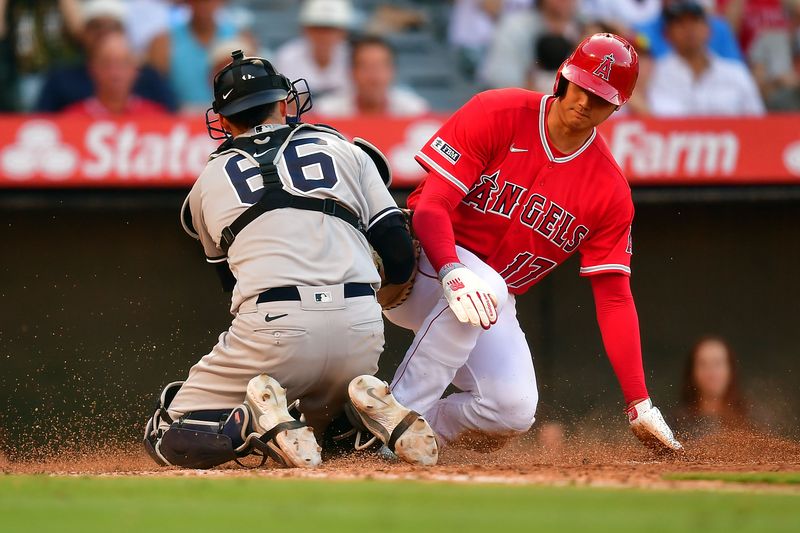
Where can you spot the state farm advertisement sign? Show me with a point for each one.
(57, 152)
(709, 151)
(40, 151)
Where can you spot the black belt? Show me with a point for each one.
(281, 294)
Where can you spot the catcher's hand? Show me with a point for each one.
(392, 295)
(650, 428)
(469, 296)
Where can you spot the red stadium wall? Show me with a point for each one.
(51, 151)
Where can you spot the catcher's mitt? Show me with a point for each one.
(392, 295)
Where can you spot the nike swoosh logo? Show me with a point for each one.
(269, 318)
(371, 394)
(517, 149)
(259, 154)
(227, 94)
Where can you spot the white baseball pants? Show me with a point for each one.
(493, 368)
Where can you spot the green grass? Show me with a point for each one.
(776, 478)
(251, 504)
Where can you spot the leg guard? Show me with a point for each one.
(198, 440)
(152, 433)
(202, 439)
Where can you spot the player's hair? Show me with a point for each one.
(735, 413)
(252, 117)
(368, 40)
(561, 90)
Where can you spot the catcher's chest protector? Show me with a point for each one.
(264, 149)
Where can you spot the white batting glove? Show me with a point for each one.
(650, 428)
(469, 296)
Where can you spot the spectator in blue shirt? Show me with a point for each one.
(183, 53)
(721, 40)
(64, 86)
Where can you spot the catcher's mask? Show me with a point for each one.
(248, 82)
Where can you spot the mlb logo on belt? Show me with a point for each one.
(323, 297)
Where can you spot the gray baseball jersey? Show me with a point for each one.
(313, 346)
(290, 247)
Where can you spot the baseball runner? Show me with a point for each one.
(517, 182)
(288, 213)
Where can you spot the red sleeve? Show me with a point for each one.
(609, 249)
(459, 152)
(619, 326)
(432, 224)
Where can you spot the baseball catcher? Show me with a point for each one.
(290, 214)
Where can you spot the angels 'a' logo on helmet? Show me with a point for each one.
(604, 68)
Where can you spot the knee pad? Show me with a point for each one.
(202, 439)
(189, 448)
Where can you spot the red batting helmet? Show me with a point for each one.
(604, 64)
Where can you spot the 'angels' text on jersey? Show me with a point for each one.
(526, 206)
(546, 217)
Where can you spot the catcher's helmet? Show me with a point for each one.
(248, 82)
(604, 64)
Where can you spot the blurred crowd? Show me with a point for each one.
(698, 57)
(136, 57)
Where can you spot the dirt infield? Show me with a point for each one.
(578, 463)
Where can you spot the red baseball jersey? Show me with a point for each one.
(527, 207)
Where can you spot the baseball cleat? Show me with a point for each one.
(387, 455)
(402, 430)
(287, 440)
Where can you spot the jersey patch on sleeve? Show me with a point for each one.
(450, 153)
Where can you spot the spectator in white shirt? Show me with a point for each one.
(691, 80)
(512, 53)
(372, 91)
(472, 25)
(320, 55)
